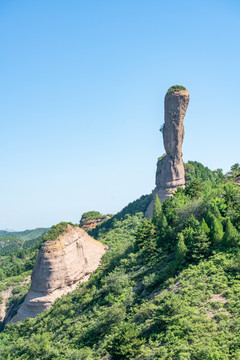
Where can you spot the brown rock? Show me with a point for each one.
(90, 224)
(170, 170)
(60, 266)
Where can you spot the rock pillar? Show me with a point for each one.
(170, 170)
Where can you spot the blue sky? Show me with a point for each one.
(81, 99)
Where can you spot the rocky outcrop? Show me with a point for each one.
(90, 224)
(91, 219)
(170, 170)
(61, 264)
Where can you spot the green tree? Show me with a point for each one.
(209, 218)
(146, 238)
(195, 188)
(2, 275)
(196, 240)
(231, 236)
(157, 211)
(163, 230)
(181, 249)
(216, 231)
(205, 227)
(234, 172)
(126, 343)
(231, 195)
(216, 212)
(199, 245)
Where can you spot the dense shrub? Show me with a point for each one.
(174, 88)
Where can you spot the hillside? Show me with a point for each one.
(26, 234)
(13, 241)
(167, 287)
(17, 259)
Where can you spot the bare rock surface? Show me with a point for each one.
(170, 170)
(60, 266)
(90, 224)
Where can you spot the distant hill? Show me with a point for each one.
(13, 241)
(26, 234)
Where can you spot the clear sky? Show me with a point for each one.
(82, 86)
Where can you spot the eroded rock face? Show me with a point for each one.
(60, 266)
(91, 223)
(170, 170)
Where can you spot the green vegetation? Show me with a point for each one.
(196, 171)
(26, 234)
(18, 256)
(161, 157)
(174, 88)
(10, 244)
(137, 206)
(55, 231)
(167, 288)
(14, 241)
(234, 172)
(93, 215)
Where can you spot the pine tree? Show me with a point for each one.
(216, 212)
(200, 244)
(146, 238)
(163, 222)
(196, 239)
(216, 231)
(181, 249)
(194, 189)
(163, 230)
(157, 211)
(231, 236)
(205, 227)
(209, 218)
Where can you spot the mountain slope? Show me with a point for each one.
(168, 288)
(13, 241)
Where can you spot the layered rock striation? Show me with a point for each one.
(170, 169)
(61, 264)
(89, 224)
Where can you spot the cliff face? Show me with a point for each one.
(170, 170)
(90, 224)
(60, 266)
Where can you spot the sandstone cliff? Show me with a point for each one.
(170, 170)
(90, 224)
(61, 264)
(91, 219)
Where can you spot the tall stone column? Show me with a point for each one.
(170, 170)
